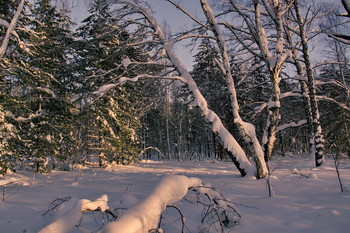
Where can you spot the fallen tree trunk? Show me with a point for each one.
(145, 216)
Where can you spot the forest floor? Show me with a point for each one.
(306, 199)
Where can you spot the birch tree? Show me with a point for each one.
(334, 84)
(273, 53)
(247, 130)
(304, 68)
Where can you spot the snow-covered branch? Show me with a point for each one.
(322, 97)
(332, 82)
(145, 215)
(291, 94)
(10, 29)
(295, 93)
(292, 124)
(327, 62)
(21, 119)
(121, 80)
(70, 216)
(246, 129)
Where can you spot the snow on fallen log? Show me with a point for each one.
(71, 216)
(145, 216)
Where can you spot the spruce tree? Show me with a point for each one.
(41, 113)
(114, 117)
(7, 133)
(207, 75)
(12, 65)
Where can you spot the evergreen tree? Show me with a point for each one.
(7, 133)
(36, 80)
(207, 75)
(12, 65)
(336, 117)
(115, 115)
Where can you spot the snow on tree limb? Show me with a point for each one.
(292, 124)
(258, 109)
(145, 216)
(105, 88)
(344, 106)
(10, 28)
(70, 217)
(332, 82)
(19, 119)
(291, 94)
(121, 80)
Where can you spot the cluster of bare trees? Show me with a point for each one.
(278, 33)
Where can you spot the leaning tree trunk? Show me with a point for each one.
(247, 130)
(317, 136)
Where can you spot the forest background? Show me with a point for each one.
(268, 78)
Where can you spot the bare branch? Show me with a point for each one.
(187, 13)
(344, 106)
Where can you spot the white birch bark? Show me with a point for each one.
(274, 64)
(273, 58)
(10, 29)
(247, 130)
(316, 139)
(304, 90)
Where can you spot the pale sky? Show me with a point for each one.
(165, 11)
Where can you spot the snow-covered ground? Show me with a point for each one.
(314, 204)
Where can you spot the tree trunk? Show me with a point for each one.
(167, 114)
(245, 128)
(305, 92)
(274, 117)
(317, 136)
